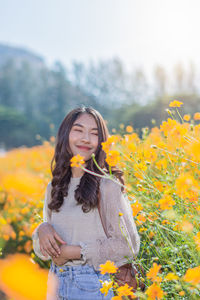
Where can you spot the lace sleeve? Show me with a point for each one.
(115, 247)
(46, 218)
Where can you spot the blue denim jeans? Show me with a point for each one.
(80, 283)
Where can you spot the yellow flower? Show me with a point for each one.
(25, 210)
(166, 202)
(192, 276)
(151, 234)
(113, 157)
(175, 103)
(129, 129)
(197, 240)
(167, 126)
(196, 116)
(194, 150)
(171, 276)
(111, 140)
(108, 267)
(125, 290)
(154, 292)
(186, 117)
(136, 208)
(52, 139)
(106, 286)
(140, 219)
(77, 161)
(152, 274)
(22, 279)
(186, 226)
(186, 184)
(120, 214)
(182, 293)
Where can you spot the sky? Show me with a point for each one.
(142, 33)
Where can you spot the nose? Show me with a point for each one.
(86, 137)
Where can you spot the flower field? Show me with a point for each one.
(162, 176)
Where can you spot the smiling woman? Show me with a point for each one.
(83, 139)
(72, 235)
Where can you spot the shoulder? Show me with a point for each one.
(49, 187)
(48, 192)
(110, 185)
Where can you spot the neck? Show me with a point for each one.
(77, 172)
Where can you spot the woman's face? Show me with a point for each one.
(83, 136)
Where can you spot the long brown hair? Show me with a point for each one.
(88, 188)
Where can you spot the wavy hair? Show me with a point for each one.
(87, 191)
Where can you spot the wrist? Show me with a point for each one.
(72, 252)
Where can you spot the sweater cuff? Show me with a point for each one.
(36, 245)
(89, 253)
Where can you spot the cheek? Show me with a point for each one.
(72, 137)
(95, 141)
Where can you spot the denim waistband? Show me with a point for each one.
(79, 269)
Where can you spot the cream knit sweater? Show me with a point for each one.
(85, 229)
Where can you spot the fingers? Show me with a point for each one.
(48, 248)
(59, 238)
(55, 247)
(43, 251)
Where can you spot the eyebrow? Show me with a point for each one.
(77, 124)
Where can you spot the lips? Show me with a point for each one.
(84, 148)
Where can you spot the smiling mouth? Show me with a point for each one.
(84, 148)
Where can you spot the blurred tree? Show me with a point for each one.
(179, 74)
(16, 129)
(160, 80)
(191, 85)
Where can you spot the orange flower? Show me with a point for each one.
(186, 184)
(196, 116)
(152, 274)
(194, 150)
(28, 246)
(167, 126)
(182, 293)
(129, 129)
(136, 208)
(125, 290)
(175, 103)
(158, 185)
(151, 234)
(166, 202)
(113, 157)
(186, 117)
(108, 267)
(193, 276)
(171, 276)
(111, 140)
(77, 161)
(21, 279)
(186, 226)
(155, 292)
(140, 219)
(106, 286)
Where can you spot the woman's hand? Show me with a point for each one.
(48, 239)
(62, 258)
